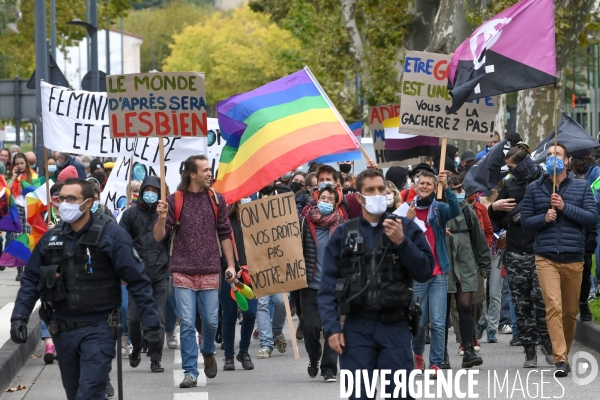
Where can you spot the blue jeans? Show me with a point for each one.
(433, 306)
(124, 308)
(266, 328)
(229, 307)
(207, 302)
(171, 315)
(45, 333)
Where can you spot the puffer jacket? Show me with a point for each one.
(468, 251)
(140, 226)
(567, 233)
(309, 246)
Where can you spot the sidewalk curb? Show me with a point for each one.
(14, 356)
(588, 334)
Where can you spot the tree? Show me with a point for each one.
(8, 14)
(17, 50)
(158, 25)
(238, 51)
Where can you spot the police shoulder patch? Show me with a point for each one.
(135, 254)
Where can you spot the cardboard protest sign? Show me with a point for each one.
(146, 162)
(425, 97)
(76, 121)
(273, 247)
(161, 104)
(377, 116)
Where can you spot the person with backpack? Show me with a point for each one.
(196, 219)
(433, 292)
(469, 255)
(138, 221)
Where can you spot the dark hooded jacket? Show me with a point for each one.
(138, 220)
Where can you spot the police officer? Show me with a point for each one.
(77, 267)
(368, 270)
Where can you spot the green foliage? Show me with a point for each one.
(17, 51)
(239, 51)
(143, 4)
(158, 25)
(7, 14)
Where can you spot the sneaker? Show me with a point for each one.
(530, 358)
(491, 335)
(585, 315)
(110, 390)
(546, 348)
(313, 369)
(50, 353)
(210, 366)
(476, 344)
(200, 339)
(515, 341)
(172, 340)
(561, 369)
(255, 334)
(480, 329)
(125, 346)
(135, 358)
(436, 369)
(229, 364)
(461, 350)
(329, 376)
(506, 329)
(188, 382)
(280, 342)
(245, 359)
(264, 352)
(419, 362)
(156, 367)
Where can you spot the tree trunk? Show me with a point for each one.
(442, 28)
(419, 34)
(535, 107)
(500, 115)
(349, 15)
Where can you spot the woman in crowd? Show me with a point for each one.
(393, 198)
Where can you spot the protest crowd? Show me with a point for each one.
(171, 246)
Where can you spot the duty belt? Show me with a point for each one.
(384, 316)
(56, 327)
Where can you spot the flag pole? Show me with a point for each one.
(129, 178)
(440, 190)
(555, 135)
(48, 203)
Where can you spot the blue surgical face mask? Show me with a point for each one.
(460, 197)
(323, 185)
(95, 206)
(51, 169)
(245, 200)
(325, 208)
(150, 197)
(560, 165)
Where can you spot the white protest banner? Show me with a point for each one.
(177, 150)
(161, 104)
(273, 247)
(425, 97)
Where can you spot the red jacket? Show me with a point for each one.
(484, 221)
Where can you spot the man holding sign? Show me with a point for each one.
(196, 220)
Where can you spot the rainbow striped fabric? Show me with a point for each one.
(356, 129)
(275, 129)
(10, 222)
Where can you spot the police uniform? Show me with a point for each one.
(81, 273)
(376, 329)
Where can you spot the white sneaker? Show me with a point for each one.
(264, 352)
(506, 329)
(172, 340)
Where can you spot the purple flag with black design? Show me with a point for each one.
(512, 51)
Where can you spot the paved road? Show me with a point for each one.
(282, 377)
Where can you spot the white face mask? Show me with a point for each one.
(70, 212)
(389, 199)
(407, 185)
(375, 205)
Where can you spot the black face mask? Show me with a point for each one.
(345, 168)
(100, 176)
(426, 202)
(467, 167)
(296, 186)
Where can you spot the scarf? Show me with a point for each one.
(330, 221)
(525, 171)
(424, 202)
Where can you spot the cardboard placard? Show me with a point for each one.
(377, 115)
(273, 246)
(425, 97)
(161, 104)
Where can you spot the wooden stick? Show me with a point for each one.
(364, 153)
(48, 202)
(163, 190)
(440, 191)
(129, 194)
(286, 302)
(555, 136)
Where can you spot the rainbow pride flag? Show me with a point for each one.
(356, 129)
(17, 253)
(275, 129)
(10, 222)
